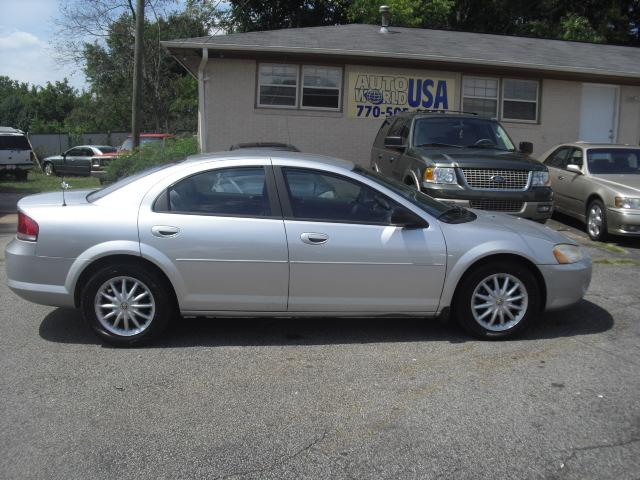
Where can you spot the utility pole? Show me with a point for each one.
(137, 74)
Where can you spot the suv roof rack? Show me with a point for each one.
(421, 110)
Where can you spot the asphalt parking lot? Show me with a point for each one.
(328, 398)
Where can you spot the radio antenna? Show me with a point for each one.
(65, 186)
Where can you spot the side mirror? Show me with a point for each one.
(401, 217)
(526, 147)
(572, 167)
(394, 142)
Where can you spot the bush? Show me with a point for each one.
(173, 150)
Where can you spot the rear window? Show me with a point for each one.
(108, 149)
(14, 142)
(103, 192)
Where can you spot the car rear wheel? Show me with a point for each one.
(127, 305)
(497, 300)
(48, 169)
(597, 221)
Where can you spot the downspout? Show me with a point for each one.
(202, 103)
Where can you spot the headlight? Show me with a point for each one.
(440, 175)
(624, 202)
(566, 253)
(540, 179)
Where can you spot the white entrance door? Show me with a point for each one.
(599, 113)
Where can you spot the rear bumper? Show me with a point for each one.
(623, 222)
(16, 166)
(566, 284)
(37, 279)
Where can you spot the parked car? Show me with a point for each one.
(465, 160)
(298, 235)
(277, 146)
(603, 191)
(145, 139)
(83, 160)
(16, 154)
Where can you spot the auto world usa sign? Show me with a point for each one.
(376, 95)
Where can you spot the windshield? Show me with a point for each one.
(613, 160)
(461, 133)
(103, 192)
(425, 202)
(128, 143)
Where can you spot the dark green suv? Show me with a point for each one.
(463, 159)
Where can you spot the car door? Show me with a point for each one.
(83, 162)
(378, 149)
(344, 254)
(222, 234)
(573, 184)
(556, 163)
(392, 155)
(70, 161)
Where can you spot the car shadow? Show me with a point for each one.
(67, 326)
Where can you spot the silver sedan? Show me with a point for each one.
(283, 234)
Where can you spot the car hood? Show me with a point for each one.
(479, 158)
(71, 197)
(493, 232)
(622, 182)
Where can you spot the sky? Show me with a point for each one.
(26, 30)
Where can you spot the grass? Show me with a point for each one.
(617, 261)
(611, 247)
(38, 182)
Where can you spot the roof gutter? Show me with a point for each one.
(401, 56)
(202, 101)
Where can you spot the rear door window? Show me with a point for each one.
(240, 192)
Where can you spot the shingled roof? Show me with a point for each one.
(432, 46)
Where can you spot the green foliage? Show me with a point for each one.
(173, 150)
(407, 13)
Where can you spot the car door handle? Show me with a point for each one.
(379, 155)
(560, 177)
(314, 238)
(165, 231)
(391, 159)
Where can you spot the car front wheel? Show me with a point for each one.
(597, 221)
(497, 300)
(127, 305)
(48, 169)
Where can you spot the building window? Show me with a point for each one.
(278, 85)
(520, 100)
(321, 87)
(480, 95)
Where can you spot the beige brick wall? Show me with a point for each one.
(232, 116)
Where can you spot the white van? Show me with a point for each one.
(16, 153)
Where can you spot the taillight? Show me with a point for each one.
(27, 228)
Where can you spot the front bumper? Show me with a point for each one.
(566, 284)
(37, 279)
(622, 221)
(537, 202)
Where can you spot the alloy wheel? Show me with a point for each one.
(124, 306)
(595, 221)
(499, 302)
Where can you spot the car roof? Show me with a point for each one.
(10, 131)
(442, 114)
(278, 157)
(597, 145)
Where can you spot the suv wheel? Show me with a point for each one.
(497, 300)
(597, 221)
(126, 305)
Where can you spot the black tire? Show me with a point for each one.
(162, 297)
(21, 175)
(48, 169)
(462, 302)
(600, 234)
